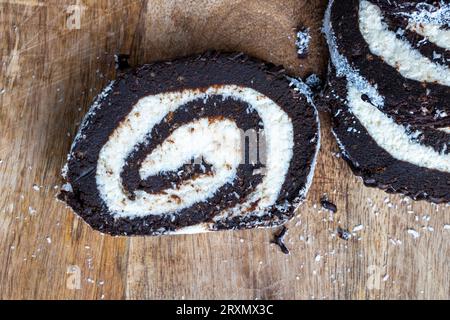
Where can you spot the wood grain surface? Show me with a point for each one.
(56, 56)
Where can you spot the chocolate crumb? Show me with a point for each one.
(122, 61)
(279, 240)
(344, 234)
(328, 205)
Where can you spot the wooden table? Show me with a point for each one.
(52, 65)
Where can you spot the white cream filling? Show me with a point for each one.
(397, 53)
(217, 142)
(393, 137)
(433, 33)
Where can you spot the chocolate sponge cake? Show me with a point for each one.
(389, 92)
(211, 142)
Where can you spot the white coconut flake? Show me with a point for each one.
(413, 233)
(303, 40)
(428, 14)
(67, 187)
(303, 88)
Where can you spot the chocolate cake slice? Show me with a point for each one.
(389, 94)
(211, 142)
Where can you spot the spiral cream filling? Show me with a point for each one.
(217, 142)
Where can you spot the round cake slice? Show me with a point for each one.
(211, 142)
(389, 96)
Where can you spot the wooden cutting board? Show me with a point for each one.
(53, 64)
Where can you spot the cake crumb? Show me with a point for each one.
(343, 234)
(326, 204)
(279, 240)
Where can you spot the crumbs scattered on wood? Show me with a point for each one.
(279, 240)
(328, 205)
(343, 234)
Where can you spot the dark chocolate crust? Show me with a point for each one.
(406, 101)
(194, 72)
(372, 163)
